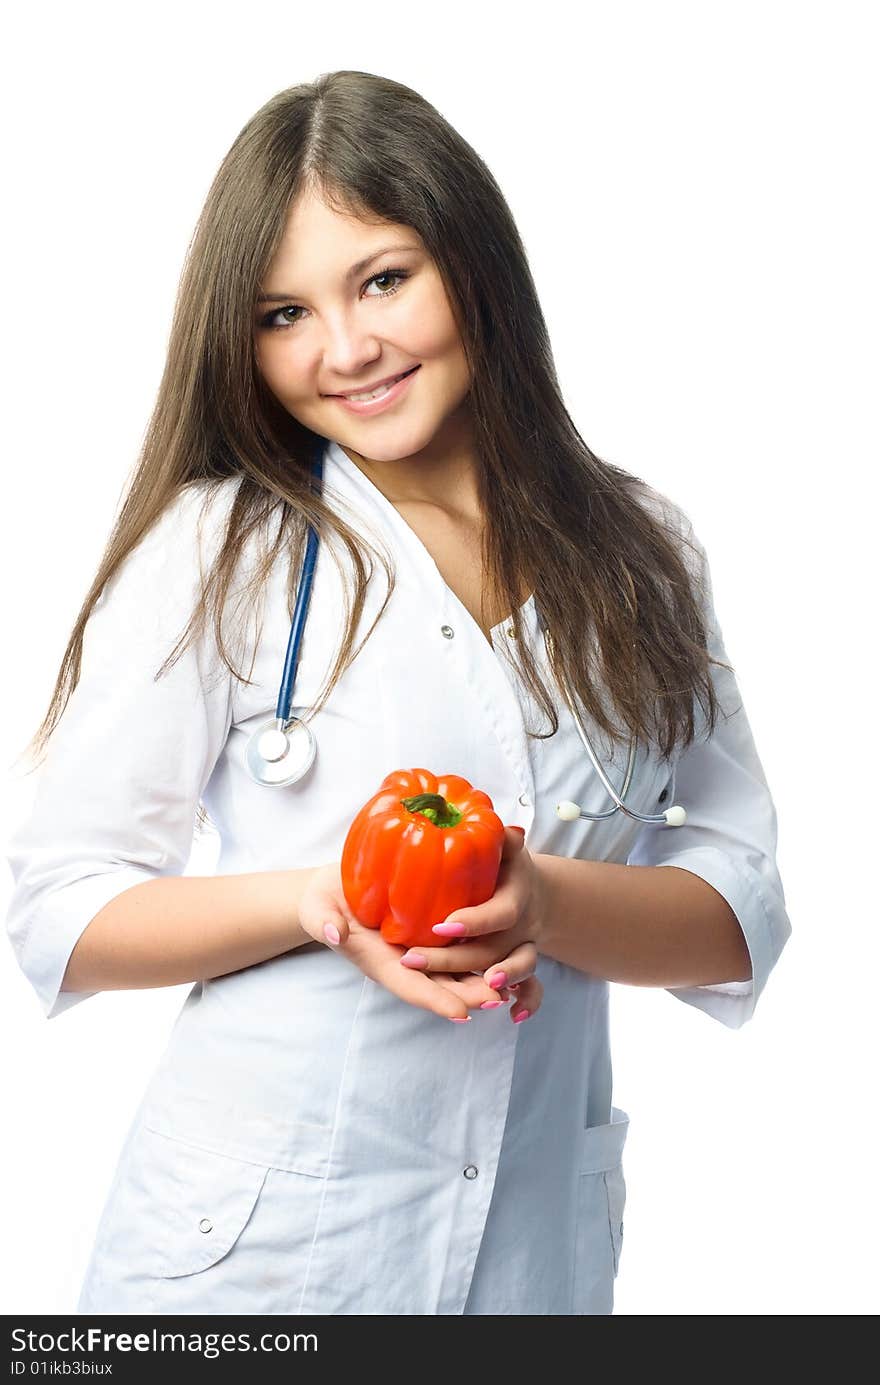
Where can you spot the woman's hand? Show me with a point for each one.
(498, 938)
(325, 915)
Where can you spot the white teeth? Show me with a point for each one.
(375, 394)
(356, 398)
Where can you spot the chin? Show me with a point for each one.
(389, 445)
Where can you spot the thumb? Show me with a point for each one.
(322, 912)
(334, 927)
(514, 837)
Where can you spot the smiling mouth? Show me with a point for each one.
(362, 396)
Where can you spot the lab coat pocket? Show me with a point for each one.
(198, 1204)
(600, 1203)
(193, 1229)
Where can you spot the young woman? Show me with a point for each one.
(318, 1137)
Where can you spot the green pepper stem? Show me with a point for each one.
(434, 807)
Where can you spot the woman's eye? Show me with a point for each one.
(271, 319)
(387, 274)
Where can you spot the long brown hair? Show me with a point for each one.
(608, 571)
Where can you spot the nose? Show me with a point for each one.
(347, 349)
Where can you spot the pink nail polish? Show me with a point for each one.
(413, 959)
(331, 933)
(457, 1019)
(449, 930)
(490, 1004)
(498, 980)
(523, 1015)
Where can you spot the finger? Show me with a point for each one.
(322, 914)
(380, 961)
(496, 913)
(472, 990)
(473, 955)
(514, 840)
(514, 968)
(335, 929)
(527, 999)
(324, 921)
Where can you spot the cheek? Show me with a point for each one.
(264, 357)
(277, 365)
(434, 339)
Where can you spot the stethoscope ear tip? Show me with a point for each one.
(673, 817)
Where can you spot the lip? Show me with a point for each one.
(375, 406)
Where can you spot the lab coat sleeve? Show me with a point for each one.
(729, 838)
(116, 796)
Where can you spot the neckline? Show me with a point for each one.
(342, 460)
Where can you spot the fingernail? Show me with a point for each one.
(514, 828)
(331, 933)
(457, 1019)
(490, 1004)
(414, 959)
(523, 1015)
(449, 930)
(498, 980)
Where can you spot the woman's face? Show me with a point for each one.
(337, 329)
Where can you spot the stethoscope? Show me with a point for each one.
(282, 750)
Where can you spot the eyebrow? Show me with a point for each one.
(353, 273)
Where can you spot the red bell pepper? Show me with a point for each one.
(421, 847)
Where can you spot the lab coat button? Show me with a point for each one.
(511, 632)
(447, 631)
(471, 1171)
(206, 1224)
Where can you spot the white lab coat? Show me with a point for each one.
(309, 1143)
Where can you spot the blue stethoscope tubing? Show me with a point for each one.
(281, 751)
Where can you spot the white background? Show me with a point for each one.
(696, 186)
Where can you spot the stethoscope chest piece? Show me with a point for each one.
(277, 757)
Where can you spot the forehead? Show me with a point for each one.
(321, 242)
